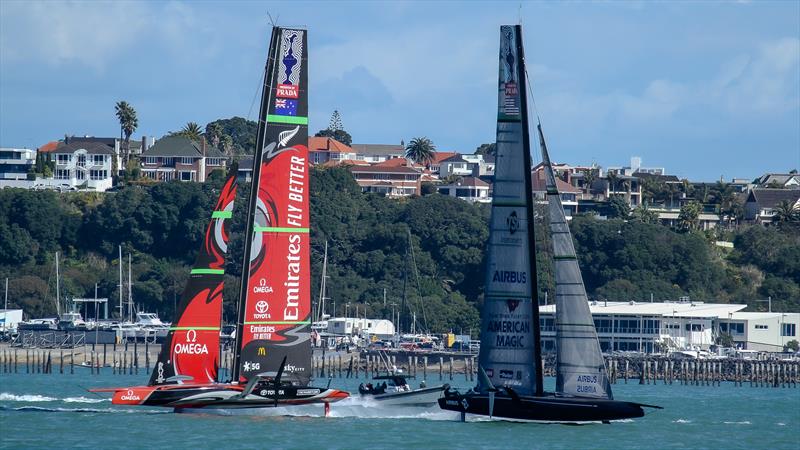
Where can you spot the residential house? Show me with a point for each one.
(81, 165)
(471, 189)
(377, 153)
(391, 178)
(761, 204)
(570, 195)
(455, 165)
(324, 149)
(180, 158)
(481, 165)
(15, 163)
(778, 180)
(438, 157)
(636, 166)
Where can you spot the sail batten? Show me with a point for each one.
(580, 367)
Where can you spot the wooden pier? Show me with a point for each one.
(132, 358)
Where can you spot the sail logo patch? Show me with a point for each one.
(512, 304)
(512, 222)
(285, 107)
(262, 287)
(507, 374)
(291, 59)
(190, 347)
(506, 276)
(262, 306)
(287, 91)
(130, 396)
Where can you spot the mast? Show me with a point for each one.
(58, 290)
(121, 308)
(258, 154)
(526, 145)
(130, 290)
(6, 302)
(322, 286)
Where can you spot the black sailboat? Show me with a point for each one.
(510, 379)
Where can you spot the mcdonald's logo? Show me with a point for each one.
(262, 351)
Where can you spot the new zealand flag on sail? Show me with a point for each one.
(285, 107)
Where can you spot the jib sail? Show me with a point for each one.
(275, 303)
(191, 348)
(509, 319)
(580, 368)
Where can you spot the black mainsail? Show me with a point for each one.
(509, 321)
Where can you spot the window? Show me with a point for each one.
(167, 161)
(444, 191)
(788, 329)
(63, 159)
(187, 160)
(672, 326)
(213, 161)
(547, 324)
(736, 328)
(187, 176)
(628, 326)
(62, 174)
(98, 160)
(99, 174)
(603, 325)
(462, 193)
(694, 327)
(762, 327)
(150, 160)
(81, 160)
(80, 175)
(651, 326)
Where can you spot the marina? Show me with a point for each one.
(694, 416)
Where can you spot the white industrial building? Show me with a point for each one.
(685, 325)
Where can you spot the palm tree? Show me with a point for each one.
(589, 176)
(420, 150)
(214, 133)
(128, 122)
(192, 131)
(612, 181)
(786, 211)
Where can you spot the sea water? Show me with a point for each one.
(56, 411)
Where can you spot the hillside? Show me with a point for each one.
(440, 271)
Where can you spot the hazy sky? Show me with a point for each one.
(705, 89)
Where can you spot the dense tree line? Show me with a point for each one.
(425, 252)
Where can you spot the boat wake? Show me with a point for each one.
(81, 410)
(353, 407)
(35, 398)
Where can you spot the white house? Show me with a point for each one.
(15, 164)
(470, 189)
(81, 165)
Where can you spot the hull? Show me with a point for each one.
(221, 396)
(549, 409)
(420, 397)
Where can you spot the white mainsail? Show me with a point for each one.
(581, 370)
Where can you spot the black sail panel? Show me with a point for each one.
(508, 334)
